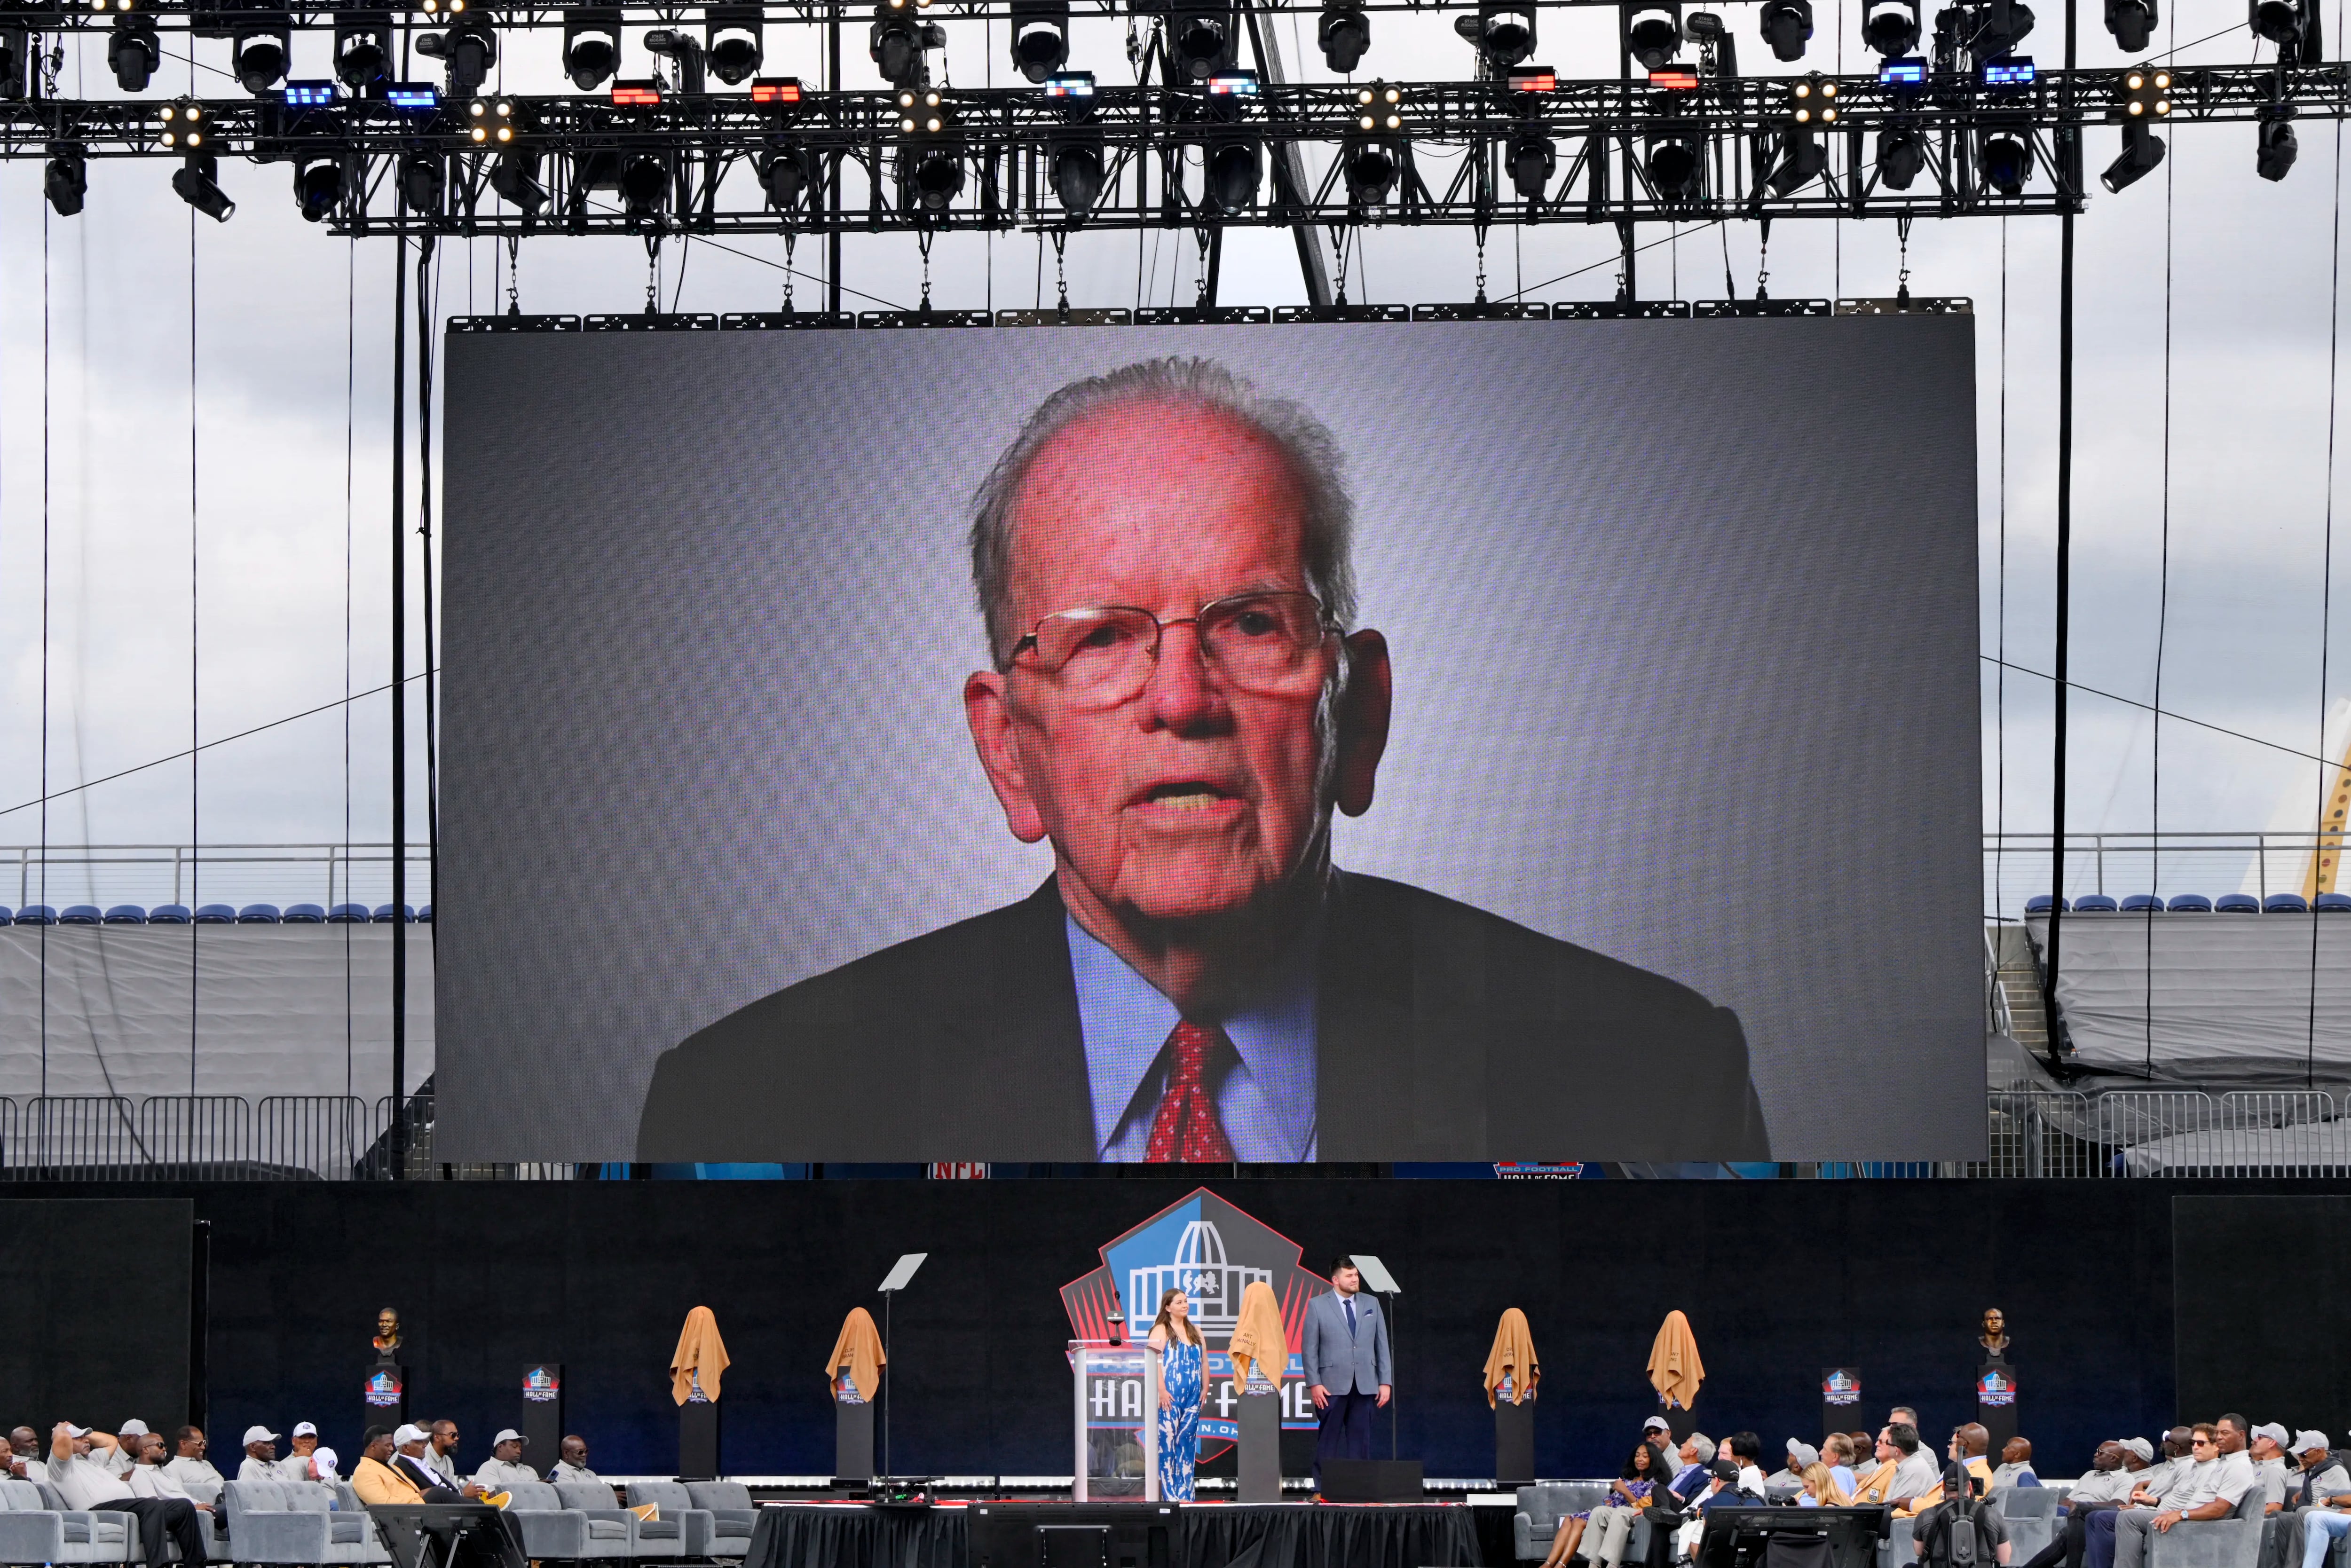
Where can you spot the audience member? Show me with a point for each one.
(1915, 1473)
(1801, 1455)
(2108, 1485)
(504, 1468)
(1747, 1453)
(573, 1465)
(2015, 1465)
(309, 1461)
(417, 1457)
(2175, 1456)
(1821, 1488)
(261, 1461)
(2271, 1467)
(1902, 1415)
(377, 1482)
(1936, 1522)
(443, 1455)
(24, 1453)
(2319, 1484)
(1877, 1486)
(1698, 1453)
(147, 1477)
(118, 1459)
(1837, 1452)
(88, 1486)
(1598, 1533)
(1722, 1491)
(195, 1473)
(2216, 1479)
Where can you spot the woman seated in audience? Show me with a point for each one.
(1821, 1488)
(1611, 1523)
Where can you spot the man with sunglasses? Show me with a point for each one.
(2209, 1487)
(1180, 700)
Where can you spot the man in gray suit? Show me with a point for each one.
(1347, 1367)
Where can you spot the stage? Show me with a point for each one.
(1016, 1533)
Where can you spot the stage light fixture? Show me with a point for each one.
(132, 52)
(2132, 23)
(1373, 159)
(683, 52)
(198, 184)
(1907, 74)
(411, 96)
(1077, 174)
(310, 94)
(1343, 34)
(1787, 28)
(897, 42)
(1228, 86)
(514, 176)
(423, 181)
(1801, 161)
(1233, 174)
(1532, 158)
(185, 124)
(1532, 78)
(1674, 167)
(2145, 95)
(490, 122)
(921, 113)
(787, 172)
(733, 42)
(1040, 37)
(645, 185)
(260, 55)
(591, 45)
(2004, 162)
(1901, 156)
(1503, 31)
(317, 187)
(781, 92)
(930, 165)
(1654, 34)
(1074, 85)
(2275, 147)
(1204, 41)
(65, 179)
(2017, 72)
(642, 93)
(1814, 101)
(16, 58)
(363, 49)
(2142, 150)
(1890, 26)
(469, 48)
(1674, 78)
(2279, 21)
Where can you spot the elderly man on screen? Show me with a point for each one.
(1180, 700)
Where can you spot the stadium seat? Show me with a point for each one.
(2191, 903)
(168, 915)
(681, 1530)
(80, 914)
(37, 914)
(305, 915)
(126, 914)
(552, 1532)
(383, 913)
(2236, 903)
(347, 914)
(425, 915)
(257, 914)
(2040, 903)
(296, 1522)
(2334, 904)
(2142, 904)
(732, 1514)
(2284, 903)
(215, 914)
(7, 915)
(37, 1527)
(2093, 903)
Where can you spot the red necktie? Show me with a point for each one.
(1186, 1128)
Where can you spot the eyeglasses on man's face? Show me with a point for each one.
(1100, 655)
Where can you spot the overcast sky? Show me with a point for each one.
(290, 547)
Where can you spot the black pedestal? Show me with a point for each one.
(1259, 1446)
(1372, 1480)
(698, 1440)
(1841, 1401)
(1681, 1422)
(1996, 1403)
(542, 1415)
(1514, 1443)
(852, 1442)
(385, 1393)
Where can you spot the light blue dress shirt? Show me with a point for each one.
(1264, 1099)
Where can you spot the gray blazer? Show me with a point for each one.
(1338, 1363)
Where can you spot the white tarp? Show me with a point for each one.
(281, 1010)
(2231, 996)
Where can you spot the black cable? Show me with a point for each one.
(2166, 713)
(397, 1133)
(44, 942)
(1999, 627)
(350, 404)
(2162, 617)
(195, 700)
(2326, 600)
(427, 279)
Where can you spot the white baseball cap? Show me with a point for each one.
(2142, 1448)
(508, 1435)
(74, 1431)
(134, 1428)
(2272, 1431)
(409, 1433)
(259, 1435)
(1656, 1424)
(2304, 1442)
(305, 1430)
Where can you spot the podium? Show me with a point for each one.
(1114, 1422)
(1996, 1402)
(698, 1440)
(1514, 1443)
(852, 1433)
(542, 1413)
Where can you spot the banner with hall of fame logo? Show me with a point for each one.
(1996, 1385)
(1211, 1252)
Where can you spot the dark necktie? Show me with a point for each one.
(1186, 1127)
(1350, 1304)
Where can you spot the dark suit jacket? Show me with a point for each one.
(1445, 1033)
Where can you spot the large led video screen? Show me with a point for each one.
(1484, 741)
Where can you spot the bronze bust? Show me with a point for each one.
(1994, 1337)
(387, 1334)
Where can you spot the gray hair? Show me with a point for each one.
(1702, 1446)
(1199, 385)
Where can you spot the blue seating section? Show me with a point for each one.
(425, 915)
(215, 914)
(37, 914)
(269, 915)
(2236, 903)
(257, 914)
(2093, 903)
(126, 914)
(305, 915)
(2284, 903)
(2334, 902)
(383, 913)
(2040, 904)
(347, 914)
(2141, 903)
(7, 915)
(168, 915)
(2191, 903)
(80, 914)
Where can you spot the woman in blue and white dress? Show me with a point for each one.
(1183, 1361)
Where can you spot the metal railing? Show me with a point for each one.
(2017, 865)
(152, 875)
